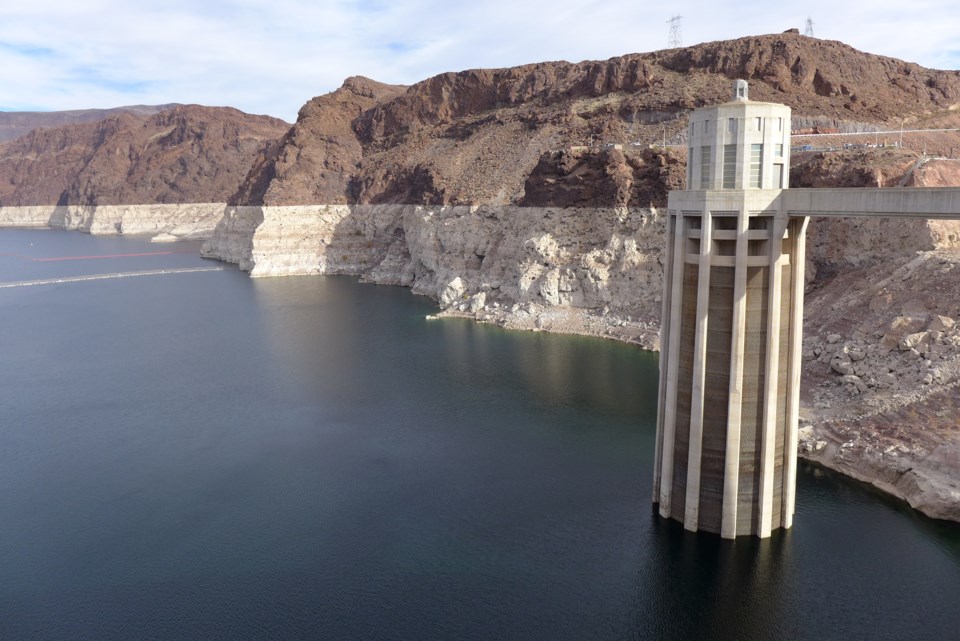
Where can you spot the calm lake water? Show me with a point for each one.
(206, 456)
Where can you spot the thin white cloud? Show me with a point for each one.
(271, 57)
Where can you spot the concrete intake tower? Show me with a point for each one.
(732, 327)
(732, 331)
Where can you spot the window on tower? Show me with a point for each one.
(756, 166)
(705, 167)
(729, 166)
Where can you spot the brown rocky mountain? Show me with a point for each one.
(527, 135)
(483, 136)
(186, 154)
(14, 124)
(318, 158)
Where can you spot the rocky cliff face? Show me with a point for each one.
(606, 177)
(188, 154)
(316, 160)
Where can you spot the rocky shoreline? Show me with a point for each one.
(476, 258)
(563, 320)
(881, 387)
(166, 223)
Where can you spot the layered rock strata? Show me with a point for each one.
(163, 222)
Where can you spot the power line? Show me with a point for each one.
(674, 39)
(808, 30)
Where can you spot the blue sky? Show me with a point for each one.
(271, 57)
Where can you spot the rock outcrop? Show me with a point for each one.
(605, 177)
(317, 158)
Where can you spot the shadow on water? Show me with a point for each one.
(857, 564)
(585, 373)
(322, 331)
(710, 588)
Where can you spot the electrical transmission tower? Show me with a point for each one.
(674, 39)
(808, 30)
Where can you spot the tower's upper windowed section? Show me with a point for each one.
(745, 138)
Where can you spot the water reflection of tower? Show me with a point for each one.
(726, 590)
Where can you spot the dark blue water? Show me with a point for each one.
(206, 456)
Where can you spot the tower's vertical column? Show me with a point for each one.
(672, 231)
(731, 473)
(675, 283)
(695, 449)
(798, 233)
(771, 379)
